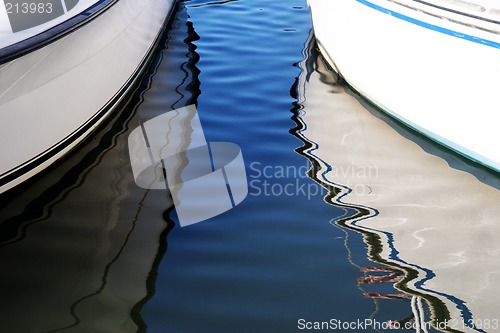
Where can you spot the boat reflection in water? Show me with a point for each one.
(93, 271)
(431, 229)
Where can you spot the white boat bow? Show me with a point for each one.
(433, 65)
(59, 80)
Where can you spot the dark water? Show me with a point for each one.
(84, 249)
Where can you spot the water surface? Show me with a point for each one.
(346, 219)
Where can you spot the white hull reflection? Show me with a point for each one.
(433, 65)
(438, 225)
(58, 83)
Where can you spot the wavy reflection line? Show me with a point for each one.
(109, 265)
(319, 168)
(188, 91)
(353, 263)
(189, 68)
(209, 3)
(442, 312)
(355, 213)
(135, 312)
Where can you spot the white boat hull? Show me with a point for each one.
(438, 76)
(53, 98)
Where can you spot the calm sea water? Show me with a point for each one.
(338, 229)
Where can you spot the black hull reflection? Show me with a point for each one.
(95, 270)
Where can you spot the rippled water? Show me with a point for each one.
(347, 218)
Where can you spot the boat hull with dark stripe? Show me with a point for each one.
(54, 95)
(434, 66)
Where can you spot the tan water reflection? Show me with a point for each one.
(438, 224)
